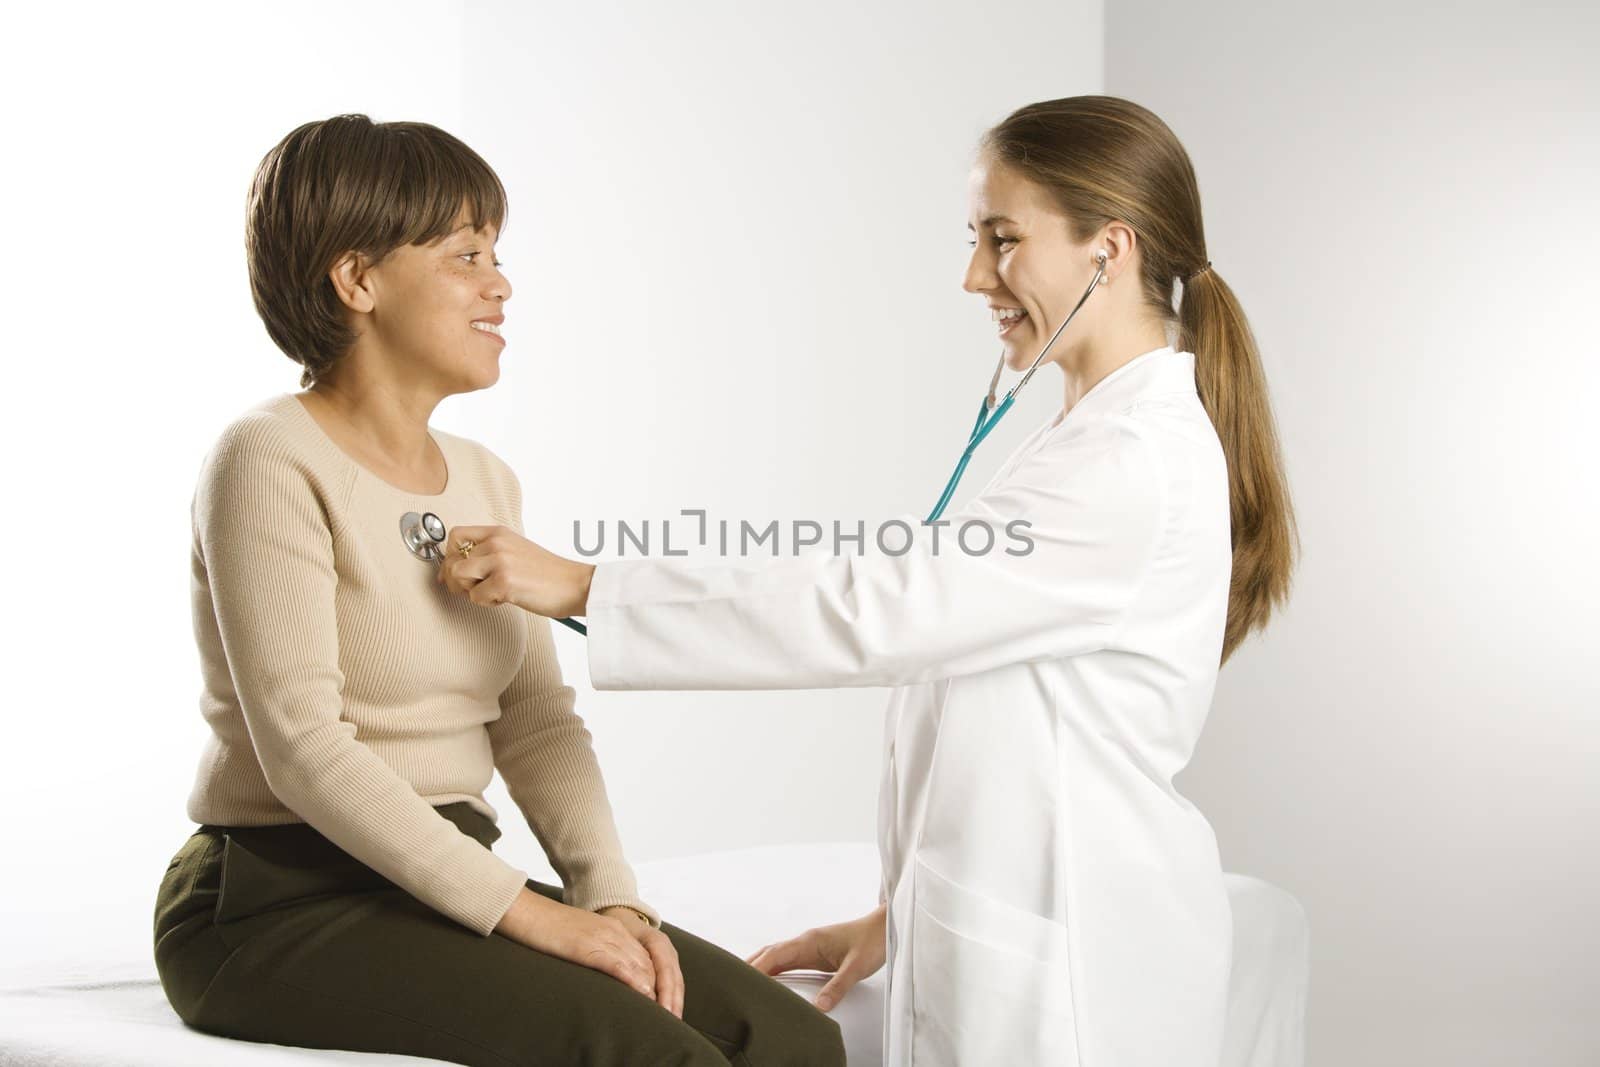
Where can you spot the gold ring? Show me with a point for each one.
(465, 547)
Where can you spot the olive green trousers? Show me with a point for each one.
(275, 934)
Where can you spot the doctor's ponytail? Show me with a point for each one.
(1107, 159)
(1228, 376)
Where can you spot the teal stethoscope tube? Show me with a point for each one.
(989, 413)
(980, 430)
(986, 420)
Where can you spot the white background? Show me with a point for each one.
(736, 236)
(1404, 197)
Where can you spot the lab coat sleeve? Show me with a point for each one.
(1094, 501)
(545, 753)
(266, 535)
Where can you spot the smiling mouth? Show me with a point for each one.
(1008, 318)
(488, 328)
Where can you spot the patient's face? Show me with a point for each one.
(1024, 258)
(433, 304)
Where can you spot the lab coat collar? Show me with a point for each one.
(1158, 372)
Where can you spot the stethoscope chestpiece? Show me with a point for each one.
(423, 534)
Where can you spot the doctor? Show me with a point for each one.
(1048, 896)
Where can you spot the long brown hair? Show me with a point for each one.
(1107, 159)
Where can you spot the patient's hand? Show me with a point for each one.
(600, 942)
(852, 950)
(663, 953)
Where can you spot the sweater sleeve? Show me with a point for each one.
(546, 755)
(266, 524)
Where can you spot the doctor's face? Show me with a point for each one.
(1024, 263)
(437, 308)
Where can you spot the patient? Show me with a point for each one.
(341, 890)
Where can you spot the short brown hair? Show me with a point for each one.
(348, 184)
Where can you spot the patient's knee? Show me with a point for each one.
(811, 1039)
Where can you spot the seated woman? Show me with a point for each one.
(341, 890)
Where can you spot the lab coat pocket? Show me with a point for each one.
(990, 982)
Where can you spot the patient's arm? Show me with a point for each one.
(545, 753)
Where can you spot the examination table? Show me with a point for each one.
(115, 1012)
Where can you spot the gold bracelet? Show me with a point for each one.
(642, 916)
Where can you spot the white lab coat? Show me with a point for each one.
(1053, 898)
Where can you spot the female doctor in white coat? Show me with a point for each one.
(1049, 896)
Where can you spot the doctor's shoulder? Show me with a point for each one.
(1171, 428)
(1117, 445)
(1178, 425)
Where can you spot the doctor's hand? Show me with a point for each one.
(852, 950)
(500, 566)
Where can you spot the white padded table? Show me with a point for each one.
(116, 1013)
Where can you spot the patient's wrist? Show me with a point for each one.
(635, 913)
(525, 915)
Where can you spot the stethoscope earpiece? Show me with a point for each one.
(423, 534)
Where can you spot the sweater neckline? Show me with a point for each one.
(315, 427)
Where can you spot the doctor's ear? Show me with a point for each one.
(352, 281)
(1116, 244)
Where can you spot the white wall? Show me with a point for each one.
(1404, 199)
(736, 236)
(130, 340)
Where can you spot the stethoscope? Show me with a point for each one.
(423, 533)
(986, 420)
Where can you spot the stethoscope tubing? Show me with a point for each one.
(986, 421)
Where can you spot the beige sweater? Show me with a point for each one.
(347, 689)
